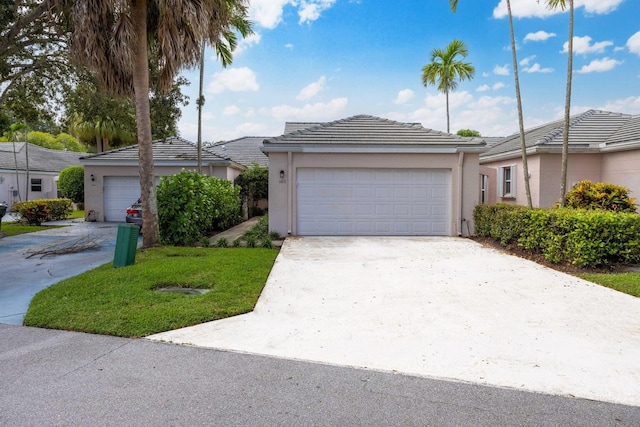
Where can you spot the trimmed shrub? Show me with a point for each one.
(600, 195)
(35, 212)
(71, 183)
(254, 186)
(192, 205)
(586, 238)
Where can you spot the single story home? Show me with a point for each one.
(112, 180)
(366, 175)
(44, 167)
(603, 147)
(247, 150)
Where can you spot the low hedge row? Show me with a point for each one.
(35, 212)
(586, 238)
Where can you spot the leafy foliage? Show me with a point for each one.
(45, 140)
(254, 186)
(586, 238)
(71, 183)
(468, 133)
(35, 212)
(69, 142)
(191, 205)
(604, 196)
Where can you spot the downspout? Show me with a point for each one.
(460, 174)
(289, 195)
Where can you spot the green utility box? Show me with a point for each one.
(126, 244)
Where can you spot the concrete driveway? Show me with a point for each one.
(22, 277)
(438, 307)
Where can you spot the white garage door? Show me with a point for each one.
(119, 193)
(373, 201)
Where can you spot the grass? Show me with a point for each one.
(13, 228)
(628, 282)
(76, 215)
(124, 301)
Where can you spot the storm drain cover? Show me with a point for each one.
(186, 291)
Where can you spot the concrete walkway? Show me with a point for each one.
(441, 308)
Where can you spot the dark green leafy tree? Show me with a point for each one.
(254, 185)
(114, 38)
(71, 183)
(445, 70)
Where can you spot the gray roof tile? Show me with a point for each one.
(245, 151)
(370, 130)
(40, 159)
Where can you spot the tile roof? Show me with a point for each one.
(174, 149)
(589, 130)
(369, 130)
(245, 151)
(40, 159)
(290, 127)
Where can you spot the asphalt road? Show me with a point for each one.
(58, 378)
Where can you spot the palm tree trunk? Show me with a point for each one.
(447, 96)
(523, 146)
(143, 124)
(567, 110)
(200, 105)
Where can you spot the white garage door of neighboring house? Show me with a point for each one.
(119, 193)
(373, 201)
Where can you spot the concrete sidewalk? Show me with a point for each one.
(441, 308)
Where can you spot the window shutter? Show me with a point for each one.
(514, 175)
(500, 182)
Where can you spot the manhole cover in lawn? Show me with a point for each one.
(186, 291)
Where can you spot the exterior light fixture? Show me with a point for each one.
(281, 174)
(93, 178)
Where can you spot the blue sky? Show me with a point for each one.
(323, 60)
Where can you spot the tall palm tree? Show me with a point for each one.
(445, 70)
(114, 37)
(523, 146)
(553, 4)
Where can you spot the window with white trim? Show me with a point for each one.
(507, 181)
(484, 187)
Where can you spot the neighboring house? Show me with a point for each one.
(366, 175)
(603, 147)
(44, 167)
(112, 181)
(246, 151)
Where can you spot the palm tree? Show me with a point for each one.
(445, 70)
(114, 37)
(567, 100)
(523, 146)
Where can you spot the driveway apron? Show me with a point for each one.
(438, 307)
(22, 277)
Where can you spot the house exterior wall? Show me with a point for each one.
(521, 195)
(9, 185)
(282, 191)
(623, 168)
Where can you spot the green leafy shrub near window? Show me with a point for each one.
(191, 206)
(71, 183)
(600, 195)
(35, 212)
(586, 238)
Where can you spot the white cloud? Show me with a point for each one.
(497, 86)
(599, 66)
(289, 45)
(485, 74)
(630, 105)
(312, 89)
(483, 88)
(267, 13)
(501, 70)
(321, 111)
(526, 61)
(582, 45)
(247, 42)
(231, 110)
(233, 79)
(536, 68)
(531, 9)
(311, 10)
(634, 43)
(404, 96)
(539, 36)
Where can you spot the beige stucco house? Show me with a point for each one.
(44, 166)
(603, 147)
(366, 175)
(112, 181)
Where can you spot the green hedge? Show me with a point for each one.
(35, 212)
(586, 238)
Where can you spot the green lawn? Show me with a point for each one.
(13, 229)
(629, 282)
(124, 301)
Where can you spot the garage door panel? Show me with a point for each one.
(373, 201)
(119, 192)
